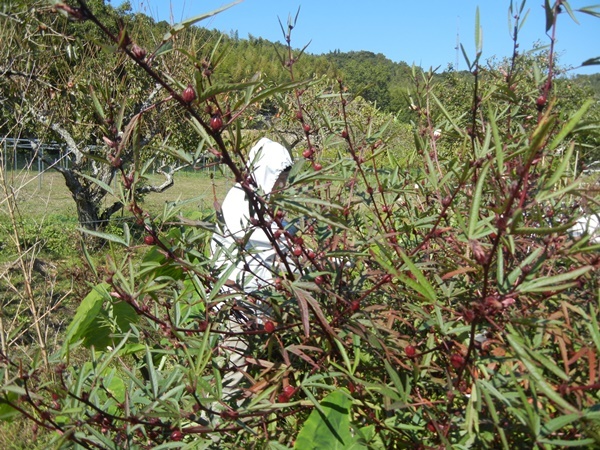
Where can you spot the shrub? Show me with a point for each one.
(443, 306)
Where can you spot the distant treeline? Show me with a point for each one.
(373, 76)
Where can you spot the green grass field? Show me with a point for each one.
(40, 195)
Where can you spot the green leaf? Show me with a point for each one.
(549, 15)
(86, 314)
(555, 282)
(427, 289)
(562, 167)
(537, 377)
(7, 412)
(329, 428)
(105, 236)
(100, 183)
(474, 216)
(478, 33)
(560, 422)
(591, 10)
(97, 104)
(570, 125)
(93, 324)
(561, 443)
(565, 4)
(192, 20)
(224, 87)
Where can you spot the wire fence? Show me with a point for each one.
(32, 155)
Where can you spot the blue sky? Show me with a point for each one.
(420, 32)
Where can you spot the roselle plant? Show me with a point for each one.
(431, 301)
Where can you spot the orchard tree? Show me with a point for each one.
(63, 86)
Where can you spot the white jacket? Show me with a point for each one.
(254, 267)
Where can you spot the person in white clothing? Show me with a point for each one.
(246, 254)
(269, 163)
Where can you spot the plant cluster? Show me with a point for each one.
(432, 301)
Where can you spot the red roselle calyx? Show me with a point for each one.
(541, 102)
(189, 94)
(138, 51)
(216, 122)
(307, 153)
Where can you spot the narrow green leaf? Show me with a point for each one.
(451, 119)
(559, 422)
(427, 288)
(105, 236)
(562, 167)
(591, 10)
(556, 282)
(476, 202)
(549, 15)
(478, 33)
(220, 88)
(565, 4)
(195, 19)
(497, 140)
(97, 104)
(570, 125)
(464, 52)
(562, 443)
(100, 183)
(153, 378)
(540, 381)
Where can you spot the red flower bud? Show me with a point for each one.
(541, 102)
(216, 122)
(188, 94)
(269, 326)
(457, 361)
(138, 51)
(176, 435)
(289, 391)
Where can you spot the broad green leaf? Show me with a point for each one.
(86, 314)
(329, 428)
(7, 412)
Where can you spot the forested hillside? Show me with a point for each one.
(373, 76)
